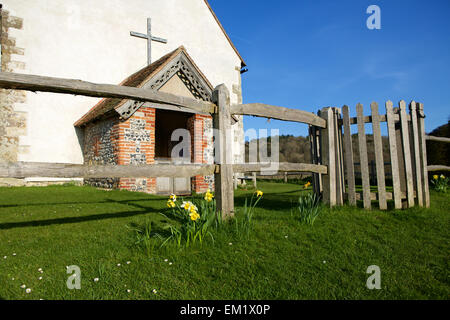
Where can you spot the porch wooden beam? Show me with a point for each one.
(35, 83)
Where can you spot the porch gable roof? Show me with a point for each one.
(154, 76)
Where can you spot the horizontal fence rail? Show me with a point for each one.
(21, 170)
(281, 167)
(376, 196)
(77, 87)
(438, 168)
(368, 119)
(278, 113)
(440, 139)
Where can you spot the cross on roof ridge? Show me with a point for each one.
(149, 38)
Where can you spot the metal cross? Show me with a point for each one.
(149, 38)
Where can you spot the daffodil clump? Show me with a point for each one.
(195, 218)
(440, 183)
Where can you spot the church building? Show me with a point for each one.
(173, 46)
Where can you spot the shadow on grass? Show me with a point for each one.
(102, 216)
(40, 223)
(126, 202)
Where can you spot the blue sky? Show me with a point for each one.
(313, 54)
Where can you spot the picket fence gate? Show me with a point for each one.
(333, 147)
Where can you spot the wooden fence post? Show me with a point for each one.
(363, 159)
(318, 157)
(223, 177)
(423, 155)
(328, 155)
(379, 160)
(340, 186)
(416, 157)
(407, 154)
(397, 192)
(400, 158)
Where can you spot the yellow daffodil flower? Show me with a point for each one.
(259, 193)
(208, 196)
(307, 185)
(170, 204)
(186, 205)
(435, 177)
(173, 197)
(194, 215)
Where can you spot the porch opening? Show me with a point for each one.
(166, 122)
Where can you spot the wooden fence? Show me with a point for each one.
(330, 139)
(407, 149)
(220, 110)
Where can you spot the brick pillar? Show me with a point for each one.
(198, 146)
(137, 146)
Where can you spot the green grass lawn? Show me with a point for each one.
(54, 227)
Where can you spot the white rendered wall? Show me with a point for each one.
(90, 40)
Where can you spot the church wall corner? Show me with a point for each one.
(13, 123)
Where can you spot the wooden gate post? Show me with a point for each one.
(393, 150)
(423, 155)
(223, 177)
(340, 184)
(407, 154)
(379, 160)
(416, 150)
(328, 155)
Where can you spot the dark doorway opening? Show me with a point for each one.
(166, 122)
